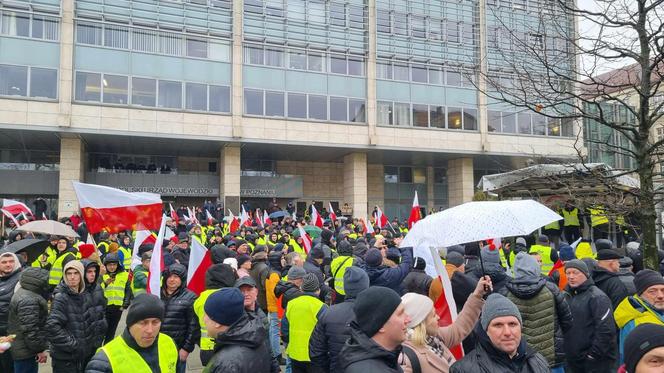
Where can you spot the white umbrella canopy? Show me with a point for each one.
(50, 227)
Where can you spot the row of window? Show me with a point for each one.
(423, 74)
(24, 81)
(29, 25)
(527, 123)
(422, 115)
(147, 92)
(318, 12)
(304, 106)
(304, 60)
(416, 175)
(422, 27)
(152, 41)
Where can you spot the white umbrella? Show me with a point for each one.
(51, 227)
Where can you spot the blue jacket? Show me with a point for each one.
(392, 277)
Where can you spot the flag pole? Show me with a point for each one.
(3, 226)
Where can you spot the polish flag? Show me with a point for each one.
(15, 207)
(415, 214)
(234, 225)
(333, 216)
(208, 216)
(258, 217)
(199, 262)
(174, 215)
(266, 219)
(316, 219)
(192, 216)
(244, 218)
(141, 236)
(306, 240)
(10, 216)
(157, 262)
(368, 228)
(381, 219)
(115, 210)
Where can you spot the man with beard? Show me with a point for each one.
(10, 269)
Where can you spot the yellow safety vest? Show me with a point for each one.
(626, 312)
(134, 290)
(115, 291)
(554, 225)
(50, 253)
(584, 250)
(126, 257)
(302, 315)
(55, 274)
(103, 247)
(296, 247)
(125, 359)
(597, 217)
(571, 218)
(338, 268)
(207, 343)
(545, 254)
(503, 259)
(261, 241)
(202, 239)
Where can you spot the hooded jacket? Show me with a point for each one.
(7, 285)
(611, 284)
(417, 281)
(361, 354)
(68, 326)
(486, 358)
(220, 276)
(180, 321)
(241, 349)
(392, 277)
(494, 270)
(27, 314)
(219, 252)
(260, 272)
(97, 307)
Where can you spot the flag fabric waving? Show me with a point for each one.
(157, 262)
(141, 236)
(208, 216)
(266, 219)
(306, 240)
(234, 224)
(381, 219)
(415, 214)
(316, 219)
(244, 218)
(199, 262)
(174, 214)
(333, 216)
(368, 228)
(114, 210)
(15, 207)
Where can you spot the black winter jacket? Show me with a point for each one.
(67, 325)
(288, 290)
(260, 272)
(485, 358)
(180, 321)
(361, 354)
(392, 277)
(7, 285)
(100, 364)
(241, 349)
(330, 334)
(97, 309)
(27, 314)
(498, 276)
(462, 286)
(312, 267)
(611, 285)
(417, 281)
(594, 330)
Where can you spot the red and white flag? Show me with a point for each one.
(415, 214)
(208, 216)
(244, 218)
(157, 262)
(258, 217)
(381, 219)
(234, 224)
(368, 228)
(174, 214)
(316, 219)
(114, 210)
(199, 262)
(306, 240)
(15, 207)
(141, 236)
(266, 219)
(333, 216)
(192, 216)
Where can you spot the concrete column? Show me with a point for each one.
(237, 95)
(355, 183)
(371, 74)
(460, 181)
(229, 177)
(65, 82)
(430, 193)
(72, 168)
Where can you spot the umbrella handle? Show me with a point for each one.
(487, 289)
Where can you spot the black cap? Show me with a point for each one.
(246, 280)
(373, 307)
(608, 254)
(145, 306)
(640, 340)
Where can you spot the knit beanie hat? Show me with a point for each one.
(417, 306)
(241, 259)
(543, 238)
(454, 258)
(310, 283)
(525, 266)
(225, 306)
(497, 305)
(639, 341)
(296, 272)
(374, 258)
(345, 248)
(86, 250)
(579, 265)
(355, 281)
(490, 256)
(317, 252)
(647, 278)
(373, 307)
(145, 306)
(456, 249)
(231, 262)
(419, 263)
(566, 252)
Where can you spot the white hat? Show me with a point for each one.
(417, 307)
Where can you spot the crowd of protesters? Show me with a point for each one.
(353, 302)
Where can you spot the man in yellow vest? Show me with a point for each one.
(553, 231)
(48, 257)
(117, 290)
(646, 306)
(64, 255)
(141, 348)
(572, 222)
(548, 255)
(599, 222)
(303, 313)
(139, 282)
(338, 268)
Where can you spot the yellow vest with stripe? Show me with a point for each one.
(126, 257)
(571, 218)
(115, 291)
(338, 268)
(302, 315)
(55, 274)
(206, 343)
(123, 358)
(545, 254)
(598, 217)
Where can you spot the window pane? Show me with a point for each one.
(88, 34)
(318, 107)
(114, 89)
(337, 64)
(420, 175)
(420, 115)
(196, 48)
(253, 6)
(454, 118)
(274, 8)
(391, 174)
(436, 75)
(144, 92)
(297, 60)
(253, 55)
(43, 83)
(296, 10)
(170, 94)
(401, 114)
(509, 122)
(524, 123)
(15, 24)
(470, 119)
(220, 51)
(88, 87)
(297, 105)
(435, 29)
(401, 72)
(383, 21)
(196, 96)
(567, 127)
(417, 26)
(539, 124)
(274, 57)
(13, 80)
(116, 37)
(145, 41)
(356, 66)
(339, 109)
(494, 120)
(357, 16)
(405, 175)
(356, 112)
(453, 78)
(383, 70)
(45, 28)
(400, 24)
(553, 125)
(274, 104)
(316, 12)
(220, 99)
(452, 32)
(437, 114)
(419, 74)
(171, 44)
(315, 61)
(337, 14)
(384, 112)
(253, 102)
